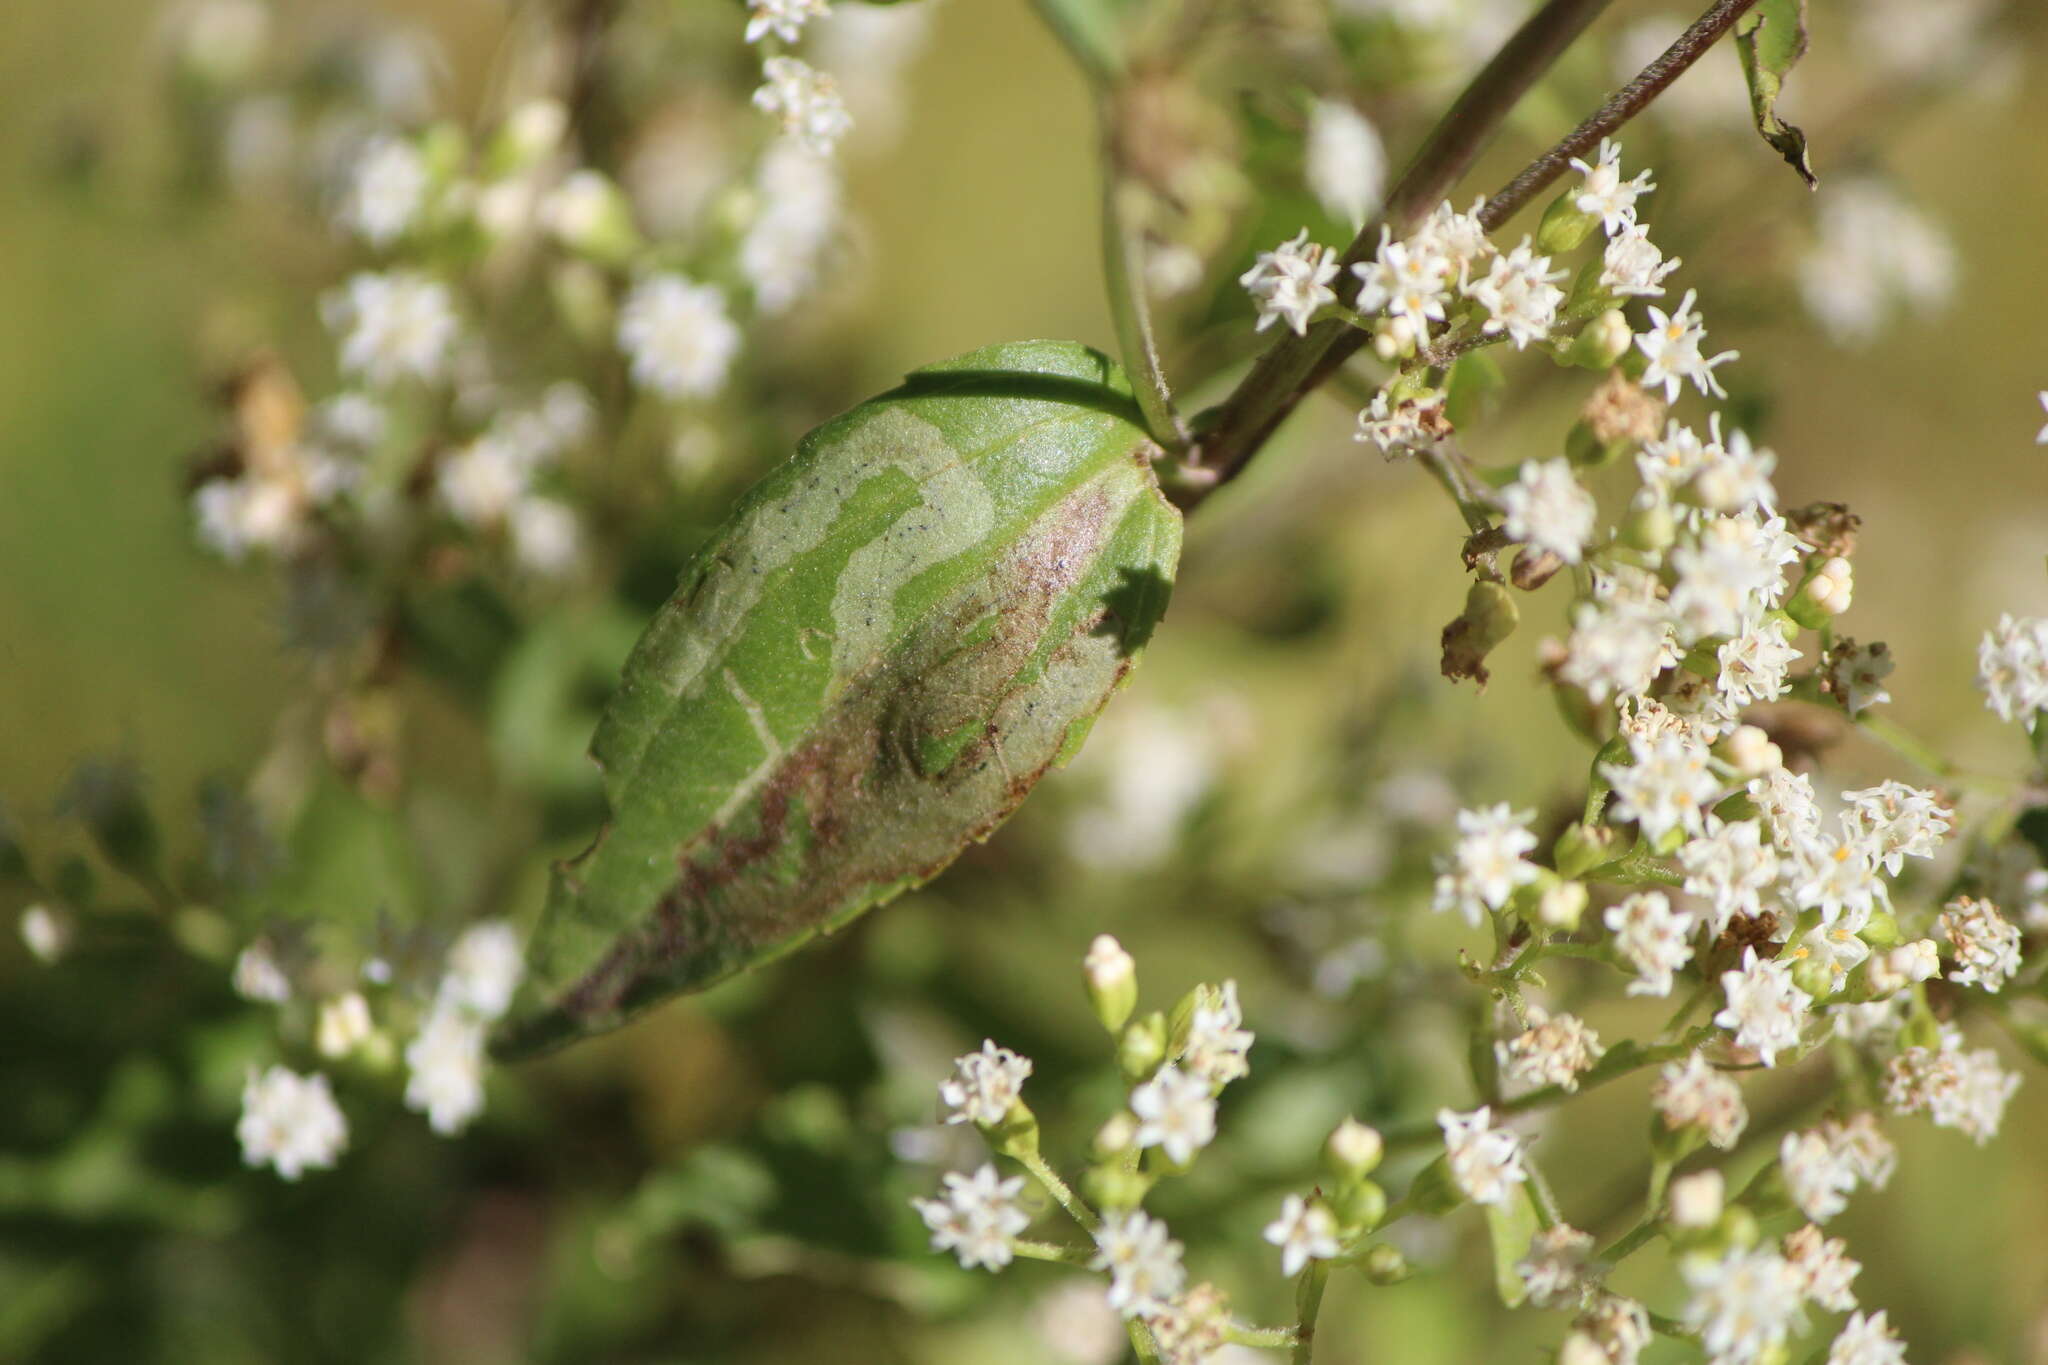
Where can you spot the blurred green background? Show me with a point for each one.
(716, 1184)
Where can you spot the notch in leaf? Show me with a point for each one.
(1771, 39)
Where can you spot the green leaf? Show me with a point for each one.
(895, 635)
(1509, 1227)
(1771, 39)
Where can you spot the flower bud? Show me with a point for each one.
(1112, 1187)
(1112, 981)
(1601, 342)
(1385, 1265)
(1581, 848)
(1825, 595)
(47, 932)
(1394, 339)
(532, 132)
(1353, 1150)
(1881, 930)
(1359, 1206)
(1752, 753)
(1490, 616)
(1560, 906)
(1143, 1046)
(1565, 225)
(1696, 1200)
(1116, 1136)
(1580, 1348)
(344, 1025)
(1649, 527)
(1435, 1190)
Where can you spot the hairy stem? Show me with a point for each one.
(1287, 372)
(1295, 366)
(1124, 273)
(1308, 1301)
(1061, 1192)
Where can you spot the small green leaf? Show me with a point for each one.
(869, 665)
(1509, 1227)
(1771, 39)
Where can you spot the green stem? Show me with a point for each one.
(1064, 1253)
(1063, 1194)
(1267, 1338)
(1632, 1241)
(1905, 743)
(1123, 269)
(1308, 1302)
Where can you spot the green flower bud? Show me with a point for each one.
(1353, 1150)
(1434, 1190)
(1601, 343)
(1359, 1206)
(1881, 930)
(1565, 225)
(1560, 906)
(1143, 1046)
(1113, 1187)
(1384, 1264)
(1112, 978)
(1650, 529)
(1116, 1136)
(1581, 848)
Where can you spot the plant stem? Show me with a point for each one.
(1623, 105)
(1308, 1302)
(1123, 271)
(1268, 1338)
(1053, 1251)
(1290, 369)
(1059, 1190)
(1295, 366)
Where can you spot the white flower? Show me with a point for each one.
(1487, 865)
(1304, 1231)
(1519, 295)
(484, 968)
(1742, 1305)
(1730, 573)
(1867, 1339)
(546, 538)
(344, 1025)
(1752, 752)
(1555, 1268)
(1290, 282)
(1458, 238)
(1418, 424)
(1109, 967)
(1552, 1050)
(1217, 1038)
(386, 190)
(1672, 346)
(1633, 265)
(237, 515)
(984, 1085)
(1737, 476)
(1822, 1267)
(1653, 937)
(1901, 821)
(1668, 785)
(1860, 1143)
(783, 18)
(445, 1068)
(678, 336)
(45, 932)
(1143, 1263)
(1484, 1161)
(1732, 865)
(1754, 665)
(290, 1122)
(1616, 1328)
(1819, 1179)
(1986, 944)
(259, 977)
(1616, 648)
(585, 211)
(800, 211)
(1696, 1201)
(1408, 281)
(1548, 507)
(978, 1218)
(1764, 1008)
(397, 325)
(1694, 1095)
(1786, 800)
(1605, 192)
(1841, 878)
(805, 102)
(1176, 1113)
(1894, 971)
(1345, 162)
(1856, 674)
(1964, 1091)
(2012, 668)
(1832, 949)
(480, 482)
